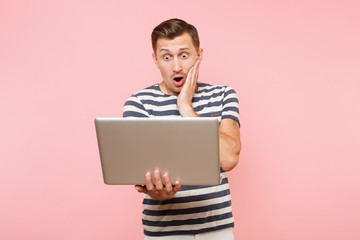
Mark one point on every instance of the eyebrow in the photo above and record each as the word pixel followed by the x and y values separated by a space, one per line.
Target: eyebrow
pixel 180 49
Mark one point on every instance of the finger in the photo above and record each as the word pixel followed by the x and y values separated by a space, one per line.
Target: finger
pixel 168 184
pixel 197 69
pixel 199 60
pixel 158 181
pixel 148 182
pixel 197 63
pixel 192 75
pixel 196 74
pixel 140 188
pixel 177 186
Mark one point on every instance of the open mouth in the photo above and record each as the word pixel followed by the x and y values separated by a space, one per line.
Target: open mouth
pixel 178 79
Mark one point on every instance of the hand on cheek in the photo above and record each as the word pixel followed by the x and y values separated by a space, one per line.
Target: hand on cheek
pixel 186 95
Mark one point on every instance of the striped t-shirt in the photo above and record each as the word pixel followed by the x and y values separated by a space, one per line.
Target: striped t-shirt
pixel 193 209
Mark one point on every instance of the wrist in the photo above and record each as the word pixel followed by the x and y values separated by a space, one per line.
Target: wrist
pixel 187 111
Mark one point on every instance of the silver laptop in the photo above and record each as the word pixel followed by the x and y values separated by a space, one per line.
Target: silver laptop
pixel 186 148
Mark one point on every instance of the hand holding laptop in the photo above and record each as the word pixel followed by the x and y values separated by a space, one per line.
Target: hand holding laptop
pixel 159 190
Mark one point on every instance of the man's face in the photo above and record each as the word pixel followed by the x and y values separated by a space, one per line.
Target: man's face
pixel 174 58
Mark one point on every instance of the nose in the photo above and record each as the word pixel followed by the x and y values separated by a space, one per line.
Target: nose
pixel 177 65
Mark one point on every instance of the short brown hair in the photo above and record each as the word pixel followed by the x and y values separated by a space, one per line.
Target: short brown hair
pixel 173 28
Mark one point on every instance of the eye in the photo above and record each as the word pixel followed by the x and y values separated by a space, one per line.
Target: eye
pixel 166 57
pixel 184 55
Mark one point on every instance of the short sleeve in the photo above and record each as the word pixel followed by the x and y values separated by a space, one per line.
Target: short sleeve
pixel 230 107
pixel 133 107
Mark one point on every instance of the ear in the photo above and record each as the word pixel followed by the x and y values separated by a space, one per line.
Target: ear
pixel 200 53
pixel 155 60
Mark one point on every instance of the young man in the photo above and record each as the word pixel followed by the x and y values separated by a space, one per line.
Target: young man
pixel 175 211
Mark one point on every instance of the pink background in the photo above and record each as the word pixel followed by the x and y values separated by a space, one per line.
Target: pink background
pixel 295 67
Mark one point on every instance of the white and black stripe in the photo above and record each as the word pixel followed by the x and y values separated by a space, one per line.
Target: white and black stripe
pixel 194 209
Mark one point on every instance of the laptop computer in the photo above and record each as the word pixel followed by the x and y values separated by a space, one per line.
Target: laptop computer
pixel 186 148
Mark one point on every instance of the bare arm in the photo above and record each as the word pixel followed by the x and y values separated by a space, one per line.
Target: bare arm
pixel 230 144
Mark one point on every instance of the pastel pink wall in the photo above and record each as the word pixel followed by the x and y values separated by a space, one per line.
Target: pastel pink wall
pixel 295 67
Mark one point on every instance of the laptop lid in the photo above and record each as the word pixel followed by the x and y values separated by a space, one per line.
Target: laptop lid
pixel 186 148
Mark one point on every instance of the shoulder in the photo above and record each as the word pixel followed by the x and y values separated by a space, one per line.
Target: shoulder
pixel 134 105
pixel 207 88
pixel 151 90
pixel 145 93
